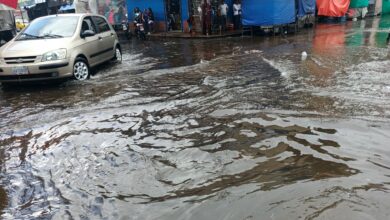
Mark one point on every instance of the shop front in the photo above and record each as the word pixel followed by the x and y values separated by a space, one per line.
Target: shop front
pixel 172 15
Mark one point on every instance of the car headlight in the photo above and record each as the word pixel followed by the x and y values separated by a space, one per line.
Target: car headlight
pixel 54 55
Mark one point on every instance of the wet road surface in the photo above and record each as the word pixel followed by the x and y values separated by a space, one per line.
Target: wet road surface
pixel 238 128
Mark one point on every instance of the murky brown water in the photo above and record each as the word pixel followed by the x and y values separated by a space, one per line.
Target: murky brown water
pixel 220 129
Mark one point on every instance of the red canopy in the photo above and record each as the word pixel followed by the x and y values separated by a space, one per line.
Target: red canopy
pixel 10 3
pixel 333 8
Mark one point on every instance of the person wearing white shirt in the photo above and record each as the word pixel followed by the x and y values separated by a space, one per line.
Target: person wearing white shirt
pixel 223 9
pixel 237 14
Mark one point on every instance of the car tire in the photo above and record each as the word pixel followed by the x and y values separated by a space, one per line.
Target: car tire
pixel 81 69
pixel 118 55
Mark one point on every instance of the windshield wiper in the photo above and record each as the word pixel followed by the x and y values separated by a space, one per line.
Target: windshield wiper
pixel 26 36
pixel 52 36
pixel 29 36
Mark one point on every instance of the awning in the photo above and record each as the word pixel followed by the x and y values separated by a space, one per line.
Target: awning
pixel 10 3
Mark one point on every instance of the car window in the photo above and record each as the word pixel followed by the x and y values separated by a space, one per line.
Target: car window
pixel 50 27
pixel 101 24
pixel 87 24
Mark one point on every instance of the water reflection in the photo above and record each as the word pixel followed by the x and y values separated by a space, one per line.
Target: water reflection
pixel 231 129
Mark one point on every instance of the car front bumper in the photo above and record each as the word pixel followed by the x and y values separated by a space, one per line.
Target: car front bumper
pixel 37 71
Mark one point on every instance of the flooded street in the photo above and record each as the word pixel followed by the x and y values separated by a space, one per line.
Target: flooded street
pixel 235 128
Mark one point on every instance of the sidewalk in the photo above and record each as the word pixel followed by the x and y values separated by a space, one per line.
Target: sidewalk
pixel 194 36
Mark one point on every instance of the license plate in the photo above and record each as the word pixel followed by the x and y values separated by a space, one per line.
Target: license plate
pixel 124 27
pixel 20 70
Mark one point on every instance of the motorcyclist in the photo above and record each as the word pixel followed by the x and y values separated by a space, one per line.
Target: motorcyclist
pixel 139 23
pixel 137 17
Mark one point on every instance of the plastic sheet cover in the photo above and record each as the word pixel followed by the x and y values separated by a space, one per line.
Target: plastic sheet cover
pixel 266 12
pixel 10 3
pixel 359 3
pixel 333 8
pixel 386 7
pixel 306 7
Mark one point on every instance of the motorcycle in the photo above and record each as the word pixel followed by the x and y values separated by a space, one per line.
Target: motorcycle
pixel 125 29
pixel 140 31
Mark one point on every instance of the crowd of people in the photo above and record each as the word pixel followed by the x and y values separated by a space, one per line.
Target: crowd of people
pixel 216 18
pixel 211 18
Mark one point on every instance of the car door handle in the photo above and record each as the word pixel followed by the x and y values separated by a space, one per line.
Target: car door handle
pixel 100 38
pixel 112 34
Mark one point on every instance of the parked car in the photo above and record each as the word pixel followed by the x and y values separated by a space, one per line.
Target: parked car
pixel 59 46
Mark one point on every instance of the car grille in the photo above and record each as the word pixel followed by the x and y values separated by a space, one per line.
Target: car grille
pixel 17 60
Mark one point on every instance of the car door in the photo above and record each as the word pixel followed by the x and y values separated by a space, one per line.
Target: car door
pixel 106 39
pixel 90 45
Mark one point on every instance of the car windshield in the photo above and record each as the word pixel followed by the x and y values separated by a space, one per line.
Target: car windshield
pixel 50 27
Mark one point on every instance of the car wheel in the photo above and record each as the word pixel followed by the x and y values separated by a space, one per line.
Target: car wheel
pixel 81 69
pixel 118 54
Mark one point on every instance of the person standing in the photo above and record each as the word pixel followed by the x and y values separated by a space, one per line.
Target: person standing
pixel 151 20
pixel 191 22
pixel 145 18
pixel 237 14
pixel 223 9
pixel 206 17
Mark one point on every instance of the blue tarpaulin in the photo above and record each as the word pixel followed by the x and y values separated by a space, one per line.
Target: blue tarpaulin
pixel 306 7
pixel 268 12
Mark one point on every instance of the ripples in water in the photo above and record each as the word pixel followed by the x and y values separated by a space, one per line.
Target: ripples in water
pixel 241 133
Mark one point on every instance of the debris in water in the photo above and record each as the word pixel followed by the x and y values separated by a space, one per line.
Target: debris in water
pixel 304 55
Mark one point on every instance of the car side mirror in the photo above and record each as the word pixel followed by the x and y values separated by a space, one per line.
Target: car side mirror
pixel 87 33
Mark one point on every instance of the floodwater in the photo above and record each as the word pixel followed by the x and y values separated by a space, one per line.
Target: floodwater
pixel 239 128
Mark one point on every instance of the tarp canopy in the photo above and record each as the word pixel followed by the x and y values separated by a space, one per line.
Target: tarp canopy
pixel 386 7
pixel 4 7
pixel 306 7
pixel 266 12
pixel 10 3
pixel 359 3
pixel 332 8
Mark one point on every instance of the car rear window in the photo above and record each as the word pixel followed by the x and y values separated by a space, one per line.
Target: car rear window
pixel 56 26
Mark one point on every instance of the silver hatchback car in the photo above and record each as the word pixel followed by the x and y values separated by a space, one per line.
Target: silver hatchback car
pixel 59 46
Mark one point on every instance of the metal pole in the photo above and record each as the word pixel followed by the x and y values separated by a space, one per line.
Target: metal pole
pixel 166 15
pixel 21 13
